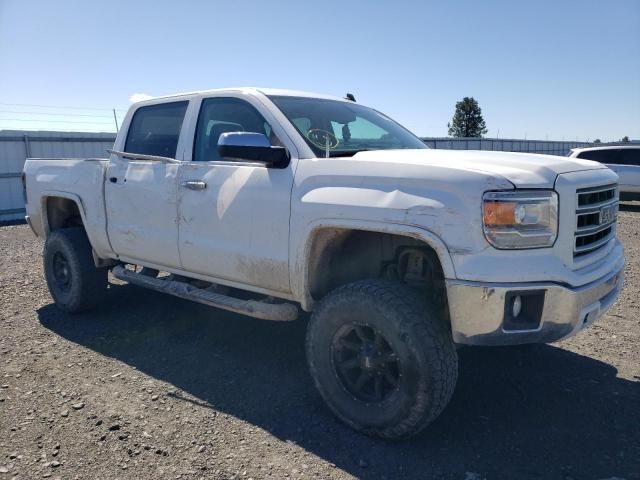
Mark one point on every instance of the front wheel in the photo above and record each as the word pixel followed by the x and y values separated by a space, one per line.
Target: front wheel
pixel 72 277
pixel 382 360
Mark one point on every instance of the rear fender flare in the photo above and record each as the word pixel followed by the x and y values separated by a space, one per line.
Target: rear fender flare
pixel 44 198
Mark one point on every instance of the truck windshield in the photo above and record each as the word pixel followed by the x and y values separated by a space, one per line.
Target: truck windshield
pixel 333 128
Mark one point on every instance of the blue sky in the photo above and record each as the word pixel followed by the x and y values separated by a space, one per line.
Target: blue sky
pixel 544 69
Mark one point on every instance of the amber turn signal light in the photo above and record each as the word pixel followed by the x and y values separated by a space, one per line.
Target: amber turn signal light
pixel 499 213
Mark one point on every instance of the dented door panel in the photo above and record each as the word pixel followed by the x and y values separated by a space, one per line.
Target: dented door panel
pixel 142 212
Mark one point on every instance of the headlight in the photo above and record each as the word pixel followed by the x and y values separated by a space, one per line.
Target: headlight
pixel 520 219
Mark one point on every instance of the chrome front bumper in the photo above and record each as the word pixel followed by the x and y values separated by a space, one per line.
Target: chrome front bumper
pixel 477 310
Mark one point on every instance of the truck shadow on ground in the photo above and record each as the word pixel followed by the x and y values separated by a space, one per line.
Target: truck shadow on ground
pixel 529 412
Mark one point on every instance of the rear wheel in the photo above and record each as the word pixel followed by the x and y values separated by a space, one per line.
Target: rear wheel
pixel 73 280
pixel 380 357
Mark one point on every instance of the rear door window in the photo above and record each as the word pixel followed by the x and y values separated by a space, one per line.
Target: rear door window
pixel 610 156
pixel 155 129
pixel 631 156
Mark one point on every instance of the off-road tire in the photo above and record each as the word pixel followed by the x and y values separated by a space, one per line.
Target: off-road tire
pixel 87 284
pixel 421 340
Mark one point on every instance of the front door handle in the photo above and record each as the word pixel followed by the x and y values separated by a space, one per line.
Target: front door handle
pixel 194 184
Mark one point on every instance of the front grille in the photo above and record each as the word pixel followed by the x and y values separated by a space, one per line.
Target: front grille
pixel 597 196
pixel 596 215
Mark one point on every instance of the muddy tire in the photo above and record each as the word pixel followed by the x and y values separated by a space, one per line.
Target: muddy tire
pixel 74 282
pixel 382 360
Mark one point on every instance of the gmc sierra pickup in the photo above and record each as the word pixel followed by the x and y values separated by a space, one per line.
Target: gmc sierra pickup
pixel 265 202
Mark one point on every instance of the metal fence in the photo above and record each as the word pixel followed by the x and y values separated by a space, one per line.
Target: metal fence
pixel 504 145
pixel 16 146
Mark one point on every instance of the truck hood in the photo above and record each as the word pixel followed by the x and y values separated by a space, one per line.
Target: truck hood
pixel 523 170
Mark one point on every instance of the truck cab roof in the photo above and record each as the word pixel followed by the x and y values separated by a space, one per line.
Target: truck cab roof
pixel 248 90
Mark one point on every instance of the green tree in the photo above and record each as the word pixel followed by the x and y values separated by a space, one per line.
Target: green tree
pixel 467 119
pixel 597 140
pixel 625 139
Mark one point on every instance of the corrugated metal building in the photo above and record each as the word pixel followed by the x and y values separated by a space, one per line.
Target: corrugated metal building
pixel 504 145
pixel 17 145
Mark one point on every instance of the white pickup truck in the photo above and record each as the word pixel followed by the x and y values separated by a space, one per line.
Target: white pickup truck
pixel 265 202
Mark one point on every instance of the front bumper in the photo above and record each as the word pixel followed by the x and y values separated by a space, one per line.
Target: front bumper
pixel 478 310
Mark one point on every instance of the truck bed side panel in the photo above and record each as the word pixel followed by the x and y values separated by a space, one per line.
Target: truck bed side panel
pixel 80 180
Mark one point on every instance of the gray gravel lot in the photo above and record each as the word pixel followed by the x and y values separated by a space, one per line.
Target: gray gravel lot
pixel 150 386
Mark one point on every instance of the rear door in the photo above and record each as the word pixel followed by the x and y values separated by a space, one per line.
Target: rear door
pixel 141 196
pixel 629 171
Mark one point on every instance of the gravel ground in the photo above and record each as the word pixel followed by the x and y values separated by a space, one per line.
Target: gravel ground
pixel 151 386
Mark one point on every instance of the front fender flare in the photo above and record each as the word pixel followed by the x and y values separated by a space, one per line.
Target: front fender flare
pixel 299 273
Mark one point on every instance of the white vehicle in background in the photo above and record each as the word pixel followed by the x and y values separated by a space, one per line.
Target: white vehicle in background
pixel 622 159
pixel 264 202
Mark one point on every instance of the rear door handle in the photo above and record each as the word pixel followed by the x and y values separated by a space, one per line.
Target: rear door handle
pixel 194 184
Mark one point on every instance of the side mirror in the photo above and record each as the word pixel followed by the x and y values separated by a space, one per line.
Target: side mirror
pixel 252 146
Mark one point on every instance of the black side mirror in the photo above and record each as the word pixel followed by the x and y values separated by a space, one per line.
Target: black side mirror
pixel 252 146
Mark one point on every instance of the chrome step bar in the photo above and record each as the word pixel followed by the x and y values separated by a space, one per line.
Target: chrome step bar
pixel 283 312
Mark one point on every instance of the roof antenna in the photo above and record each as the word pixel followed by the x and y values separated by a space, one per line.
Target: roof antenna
pixel 350 97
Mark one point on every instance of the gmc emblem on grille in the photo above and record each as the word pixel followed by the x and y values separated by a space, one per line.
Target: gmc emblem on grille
pixel 608 214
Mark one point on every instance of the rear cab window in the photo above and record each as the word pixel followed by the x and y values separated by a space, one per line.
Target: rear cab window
pixel 155 129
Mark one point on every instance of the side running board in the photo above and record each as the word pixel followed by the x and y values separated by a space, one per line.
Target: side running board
pixel 283 312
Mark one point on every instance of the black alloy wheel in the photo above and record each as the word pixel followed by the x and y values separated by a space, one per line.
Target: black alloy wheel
pixel 365 363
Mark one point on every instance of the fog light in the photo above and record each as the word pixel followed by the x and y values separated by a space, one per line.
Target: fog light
pixel 516 307
pixel 523 310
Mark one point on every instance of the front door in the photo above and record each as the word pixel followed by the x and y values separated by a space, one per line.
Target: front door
pixel 234 216
pixel 141 196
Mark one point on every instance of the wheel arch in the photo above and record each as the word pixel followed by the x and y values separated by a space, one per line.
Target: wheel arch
pixel 64 210
pixel 322 236
pixel 61 210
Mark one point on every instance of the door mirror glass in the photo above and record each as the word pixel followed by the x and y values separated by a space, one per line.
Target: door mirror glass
pixel 252 146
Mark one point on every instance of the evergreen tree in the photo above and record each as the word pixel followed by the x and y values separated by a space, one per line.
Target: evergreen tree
pixel 467 119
